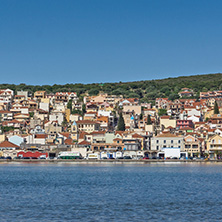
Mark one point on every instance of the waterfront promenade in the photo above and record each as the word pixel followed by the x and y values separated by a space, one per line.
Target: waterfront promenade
pixel 109 161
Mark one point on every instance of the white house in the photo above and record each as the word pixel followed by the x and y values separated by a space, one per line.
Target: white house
pixel 56 116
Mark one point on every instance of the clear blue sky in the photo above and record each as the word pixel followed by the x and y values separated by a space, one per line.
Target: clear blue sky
pixel 68 41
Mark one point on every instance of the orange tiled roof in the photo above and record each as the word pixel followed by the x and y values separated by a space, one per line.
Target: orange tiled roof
pixel 69 141
pixel 86 122
pixel 8 144
pixel 97 132
pixel 136 135
pixel 166 135
pixel 65 134
pixel 84 142
pixel 41 136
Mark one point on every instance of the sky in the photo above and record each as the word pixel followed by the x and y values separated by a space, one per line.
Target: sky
pixel 97 41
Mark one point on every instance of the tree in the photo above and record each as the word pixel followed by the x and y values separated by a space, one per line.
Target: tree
pixel 31 114
pixel 93 92
pixel 133 95
pixel 206 155
pixel 173 96
pixel 149 122
pixel 216 108
pixel 162 112
pixel 155 132
pixel 64 123
pixel 69 105
pixel 7 128
pixel 76 111
pixel 83 108
pixel 121 123
pixel 141 116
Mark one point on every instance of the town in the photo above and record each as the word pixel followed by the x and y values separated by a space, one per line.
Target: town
pixel 65 126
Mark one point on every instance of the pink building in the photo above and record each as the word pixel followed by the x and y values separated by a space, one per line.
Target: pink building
pixel 184 123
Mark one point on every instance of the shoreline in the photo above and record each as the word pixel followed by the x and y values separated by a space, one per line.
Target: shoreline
pixel 107 161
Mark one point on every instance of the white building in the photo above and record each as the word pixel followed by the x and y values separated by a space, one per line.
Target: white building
pixel 6 95
pixel 167 140
pixel 172 153
pixel 56 116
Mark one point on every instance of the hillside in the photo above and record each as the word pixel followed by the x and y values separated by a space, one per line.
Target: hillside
pixel 145 90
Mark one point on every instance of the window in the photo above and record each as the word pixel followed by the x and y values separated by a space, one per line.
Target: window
pixel 178 141
pixel 157 147
pixel 164 141
pixel 157 141
pixel 171 141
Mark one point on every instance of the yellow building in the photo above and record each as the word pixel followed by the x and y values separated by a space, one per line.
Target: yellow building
pixel 40 94
pixel 166 121
pixel 214 146
pixel 2 138
pixel 67 114
pixel 192 145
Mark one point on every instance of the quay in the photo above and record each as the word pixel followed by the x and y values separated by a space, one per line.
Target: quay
pixel 108 161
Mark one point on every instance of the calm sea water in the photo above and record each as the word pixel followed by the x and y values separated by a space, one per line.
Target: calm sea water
pixel 110 192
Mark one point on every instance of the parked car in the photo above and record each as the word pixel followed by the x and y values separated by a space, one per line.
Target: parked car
pixel 34 158
pixel 17 158
pixel 26 158
pixel 146 158
pixel 104 158
pixel 127 157
pixel 120 158
pixel 8 158
pixel 154 158
pixel 140 158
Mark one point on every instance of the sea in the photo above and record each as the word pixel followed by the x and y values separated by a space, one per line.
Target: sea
pixel 110 192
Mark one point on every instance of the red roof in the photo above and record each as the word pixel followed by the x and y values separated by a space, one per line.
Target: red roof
pixel 5 111
pixel 68 142
pixel 136 135
pixel 97 132
pixel 117 139
pixel 8 144
pixel 84 142
pixel 86 122
pixel 41 136
pixel 90 113
pixel 82 134
pixel 65 134
pixel 164 117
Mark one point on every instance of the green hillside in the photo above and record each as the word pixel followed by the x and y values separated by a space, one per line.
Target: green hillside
pixel 146 90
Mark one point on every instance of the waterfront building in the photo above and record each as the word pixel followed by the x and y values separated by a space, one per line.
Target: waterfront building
pixel 214 146
pixel 167 140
